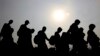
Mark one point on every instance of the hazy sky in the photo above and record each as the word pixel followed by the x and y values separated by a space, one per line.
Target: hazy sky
pixel 38 12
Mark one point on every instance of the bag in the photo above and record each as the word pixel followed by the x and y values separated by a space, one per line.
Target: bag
pixel 36 39
pixel 52 40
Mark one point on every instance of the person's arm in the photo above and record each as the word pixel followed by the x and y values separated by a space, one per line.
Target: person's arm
pixel 2 30
pixel 46 38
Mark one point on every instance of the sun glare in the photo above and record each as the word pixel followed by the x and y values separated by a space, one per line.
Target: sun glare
pixel 59 15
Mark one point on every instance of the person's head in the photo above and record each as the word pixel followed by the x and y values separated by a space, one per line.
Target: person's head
pixel 10 21
pixel 59 29
pixel 26 22
pixel 44 28
pixel 92 26
pixel 77 21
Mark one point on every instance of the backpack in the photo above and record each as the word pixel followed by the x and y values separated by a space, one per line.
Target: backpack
pixel 52 40
pixel 36 39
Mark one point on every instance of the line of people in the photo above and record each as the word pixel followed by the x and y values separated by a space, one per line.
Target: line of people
pixel 74 36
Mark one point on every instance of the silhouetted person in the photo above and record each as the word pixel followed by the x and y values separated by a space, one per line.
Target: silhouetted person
pixel 22 34
pixel 92 38
pixel 73 30
pixel 28 41
pixel 6 33
pixel 57 40
pixel 81 44
pixel 24 41
pixel 28 38
pixel 64 45
pixel 40 39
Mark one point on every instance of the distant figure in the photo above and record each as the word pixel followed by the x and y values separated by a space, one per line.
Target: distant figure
pixel 23 34
pixel 40 39
pixel 92 38
pixel 6 33
pixel 81 44
pixel 29 38
pixel 56 40
pixel 72 31
pixel 64 49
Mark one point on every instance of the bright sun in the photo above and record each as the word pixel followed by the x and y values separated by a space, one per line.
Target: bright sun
pixel 59 15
